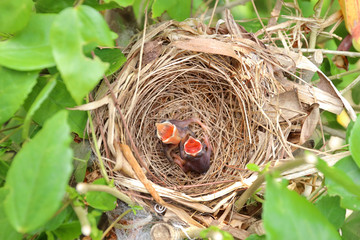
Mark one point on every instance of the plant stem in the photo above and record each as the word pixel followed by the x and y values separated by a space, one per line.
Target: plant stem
pixel 261 178
pixel 340 75
pixel 114 222
pixel 351 85
pixel 83 188
pixel 98 154
pixel 314 193
pixel 335 52
pixel 81 213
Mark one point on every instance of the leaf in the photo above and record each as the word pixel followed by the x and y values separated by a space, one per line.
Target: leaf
pixel 30 49
pixel 94 217
pixel 113 56
pixel 6 230
pixel 351 12
pixel 58 99
pixel 82 152
pixel 56 221
pixel 256 237
pixel 51 6
pixel 351 229
pixel 289 216
pixel 355 94
pixel 38 176
pixel 310 124
pixel 14 88
pixel 101 200
pixel 349 170
pixel 122 3
pixel 224 235
pixel 4 167
pixel 355 142
pixel 40 98
pixel 73 29
pixel 330 208
pixel 253 167
pixel 69 230
pixel 177 9
pixel 14 15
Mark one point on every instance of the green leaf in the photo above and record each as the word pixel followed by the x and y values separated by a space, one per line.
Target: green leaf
pixel 4 167
pixel 14 88
pixel 6 230
pixel 289 216
pixel 355 142
pixel 122 3
pixel 82 152
pixel 349 130
pixel 30 49
pixel 101 200
pixel 40 98
pixel 256 237
pixel 253 167
pixel 177 9
pixel 94 217
pixel 355 94
pixel 101 6
pixel 57 220
pixel 348 170
pixel 51 6
pixel 73 29
pixel 14 15
pixel 351 229
pixel 38 176
pixel 69 230
pixel 113 56
pixel 225 235
pixel 58 99
pixel 330 208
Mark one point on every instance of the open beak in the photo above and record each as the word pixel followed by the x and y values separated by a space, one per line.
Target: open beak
pixel 192 146
pixel 168 133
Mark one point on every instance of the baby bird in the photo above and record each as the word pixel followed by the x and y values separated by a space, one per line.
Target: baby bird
pixel 171 132
pixel 194 155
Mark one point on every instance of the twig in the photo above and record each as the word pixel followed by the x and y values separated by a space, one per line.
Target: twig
pixel 340 75
pixel 114 222
pixel 136 151
pixel 335 52
pixel 334 132
pixel 98 154
pixel 212 15
pixel 314 32
pixel 83 188
pixel 351 85
pixel 261 178
pixel 228 5
pixel 101 131
pixel 314 193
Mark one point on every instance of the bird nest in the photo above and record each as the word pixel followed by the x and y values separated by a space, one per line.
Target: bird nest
pixel 250 96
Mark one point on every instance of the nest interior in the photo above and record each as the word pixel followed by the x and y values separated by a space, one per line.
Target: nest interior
pixel 177 71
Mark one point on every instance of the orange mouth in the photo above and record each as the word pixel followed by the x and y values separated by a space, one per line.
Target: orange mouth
pixel 168 133
pixel 192 146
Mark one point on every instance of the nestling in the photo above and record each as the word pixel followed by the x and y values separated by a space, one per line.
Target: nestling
pixel 171 132
pixel 194 155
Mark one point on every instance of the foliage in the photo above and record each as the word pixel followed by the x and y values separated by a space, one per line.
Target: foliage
pixel 53 53
pixel 213 232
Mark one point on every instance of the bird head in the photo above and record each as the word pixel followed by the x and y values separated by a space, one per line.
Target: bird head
pixel 193 147
pixel 168 133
